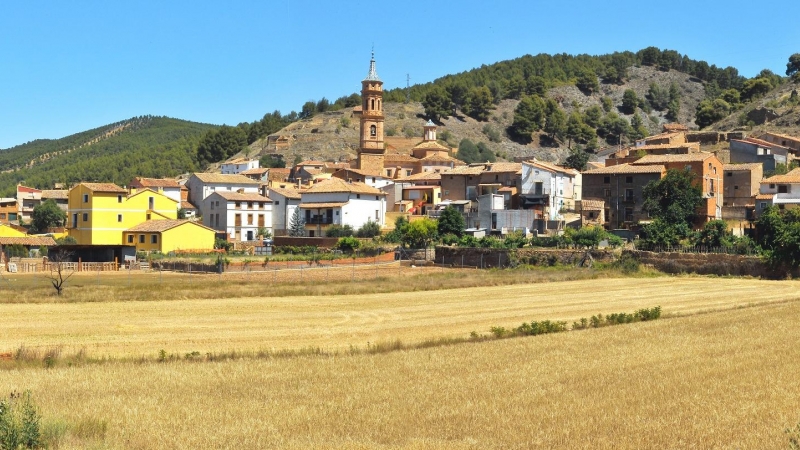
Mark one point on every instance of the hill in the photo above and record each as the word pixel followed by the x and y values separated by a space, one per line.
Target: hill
pixel 142 146
pixel 334 135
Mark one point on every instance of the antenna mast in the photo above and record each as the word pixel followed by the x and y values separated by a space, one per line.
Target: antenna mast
pixel 408 88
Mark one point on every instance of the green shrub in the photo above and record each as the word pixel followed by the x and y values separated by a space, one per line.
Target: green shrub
pixel 337 231
pixel 468 241
pixel 19 422
pixel 450 239
pixel 222 244
pixel 348 244
pixel 369 229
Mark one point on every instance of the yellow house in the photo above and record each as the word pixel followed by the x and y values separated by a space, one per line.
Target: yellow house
pixel 99 213
pixel 170 235
pixel 10 232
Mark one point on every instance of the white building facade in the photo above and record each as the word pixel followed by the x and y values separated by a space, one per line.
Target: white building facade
pixel 239 215
pixel 338 202
pixel 554 187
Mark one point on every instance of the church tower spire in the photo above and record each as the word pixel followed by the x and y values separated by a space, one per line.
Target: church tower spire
pixel 371 148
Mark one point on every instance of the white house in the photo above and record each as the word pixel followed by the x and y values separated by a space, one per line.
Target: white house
pixel 782 191
pixel 549 187
pixel 238 165
pixel 240 215
pixel 201 185
pixel 336 201
pixel 284 203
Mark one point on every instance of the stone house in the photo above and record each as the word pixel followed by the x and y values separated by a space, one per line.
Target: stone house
pixel 620 188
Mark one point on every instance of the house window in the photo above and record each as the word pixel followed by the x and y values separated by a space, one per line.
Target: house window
pixel 119 198
pixel 212 206
pixel 277 202
pixel 358 195
pixel 373 130
pixel 377 197
pixel 249 219
pixel 628 214
pixel 85 198
pixel 772 186
pixel 141 239
pixel 607 193
pixel 763 205
pixel 388 172
pixel 151 203
pixel 237 205
pixel 154 239
pixel 149 216
pixel 606 180
pixel 249 205
pixel 119 217
pixel 688 167
pixel 85 217
pixel 628 195
pixel 730 174
pixel 783 189
pixel 629 180
pixel 735 188
pixel 373 179
pixel 591 214
pixel 130 239
pixel 408 174
pixel 377 215
pixel 75 220
pixel 2 215
pixel 711 186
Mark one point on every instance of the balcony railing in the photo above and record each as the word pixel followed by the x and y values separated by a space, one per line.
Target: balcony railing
pixel 317 220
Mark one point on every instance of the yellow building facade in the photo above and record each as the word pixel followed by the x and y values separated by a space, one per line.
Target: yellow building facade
pixel 99 213
pixel 8 231
pixel 169 235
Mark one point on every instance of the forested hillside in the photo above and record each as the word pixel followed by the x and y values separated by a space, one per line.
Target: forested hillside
pixel 143 146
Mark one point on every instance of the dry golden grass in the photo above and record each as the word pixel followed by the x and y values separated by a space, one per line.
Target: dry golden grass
pixel 720 380
pixel 337 322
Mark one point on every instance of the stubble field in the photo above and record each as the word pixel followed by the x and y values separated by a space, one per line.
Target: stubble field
pixel 718 372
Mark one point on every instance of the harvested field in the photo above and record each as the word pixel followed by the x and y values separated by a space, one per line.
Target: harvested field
pixel 724 380
pixel 337 322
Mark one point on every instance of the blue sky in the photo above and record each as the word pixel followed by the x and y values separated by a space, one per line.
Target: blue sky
pixel 66 67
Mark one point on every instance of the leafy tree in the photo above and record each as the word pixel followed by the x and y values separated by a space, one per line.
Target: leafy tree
pixel 779 234
pixel 709 111
pixel 537 86
pixel 308 110
pixel 673 199
pixel 66 240
pixel 617 68
pixel 793 66
pixel 322 105
pixel 589 237
pixel 714 234
pixel 297 225
pixel 222 143
pixel 369 229
pixel 47 215
pixel 555 121
pixel 437 104
pixel 419 233
pixel 593 115
pixel 637 129
pixel 451 222
pixel 348 244
pixel 485 154
pixel 661 233
pixel 755 88
pixel 657 97
pixel 577 159
pixel 587 81
pixel 517 87
pixel 272 161
pixel 630 101
pixel 607 103
pixel 458 93
pixel 528 117
pixel 468 152
pixel 480 104
pixel 574 128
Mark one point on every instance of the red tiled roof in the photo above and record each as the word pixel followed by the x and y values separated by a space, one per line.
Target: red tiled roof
pixel 155 182
pixel 626 168
pixel 286 192
pixel 30 241
pixel 242 197
pixel 334 185
pixel 104 187
pixel 792 177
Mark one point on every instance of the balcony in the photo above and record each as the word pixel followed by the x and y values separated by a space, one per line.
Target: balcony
pixel 319 220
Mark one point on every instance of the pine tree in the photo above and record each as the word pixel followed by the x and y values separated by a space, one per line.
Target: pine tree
pixel 297 226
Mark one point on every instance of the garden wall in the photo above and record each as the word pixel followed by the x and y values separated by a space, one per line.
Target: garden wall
pixel 708 264
pixel 493 257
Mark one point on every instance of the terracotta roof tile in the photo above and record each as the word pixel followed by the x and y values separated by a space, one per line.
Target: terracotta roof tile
pixel 242 197
pixel 551 167
pixel 792 177
pixel 29 241
pixel 155 182
pixel 663 159
pixel 224 178
pixel 757 141
pixel 334 185
pixel 504 167
pixel 626 168
pixel 256 171
pixel 104 187
pixel 288 193
pixel 421 176
pixel 55 194
pixel 322 205
pixel 278 174
pixel 464 170
pixel 744 166
pixel 158 226
pixel 765 196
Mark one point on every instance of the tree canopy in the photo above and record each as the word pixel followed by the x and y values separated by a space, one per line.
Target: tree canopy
pixel 451 222
pixel 47 215
pixel 673 199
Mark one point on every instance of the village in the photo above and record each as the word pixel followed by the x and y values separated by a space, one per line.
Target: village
pixel 252 207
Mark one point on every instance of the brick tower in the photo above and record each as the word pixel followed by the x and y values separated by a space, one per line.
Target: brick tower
pixel 371 150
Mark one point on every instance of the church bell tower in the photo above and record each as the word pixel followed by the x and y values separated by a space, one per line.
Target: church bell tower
pixel 371 149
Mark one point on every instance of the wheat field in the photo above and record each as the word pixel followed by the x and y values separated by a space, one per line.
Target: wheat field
pixel 337 322
pixel 719 370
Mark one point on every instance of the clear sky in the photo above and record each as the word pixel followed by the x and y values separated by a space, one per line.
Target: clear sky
pixel 67 67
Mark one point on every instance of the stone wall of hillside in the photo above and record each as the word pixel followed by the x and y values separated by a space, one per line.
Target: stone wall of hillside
pixel 500 258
